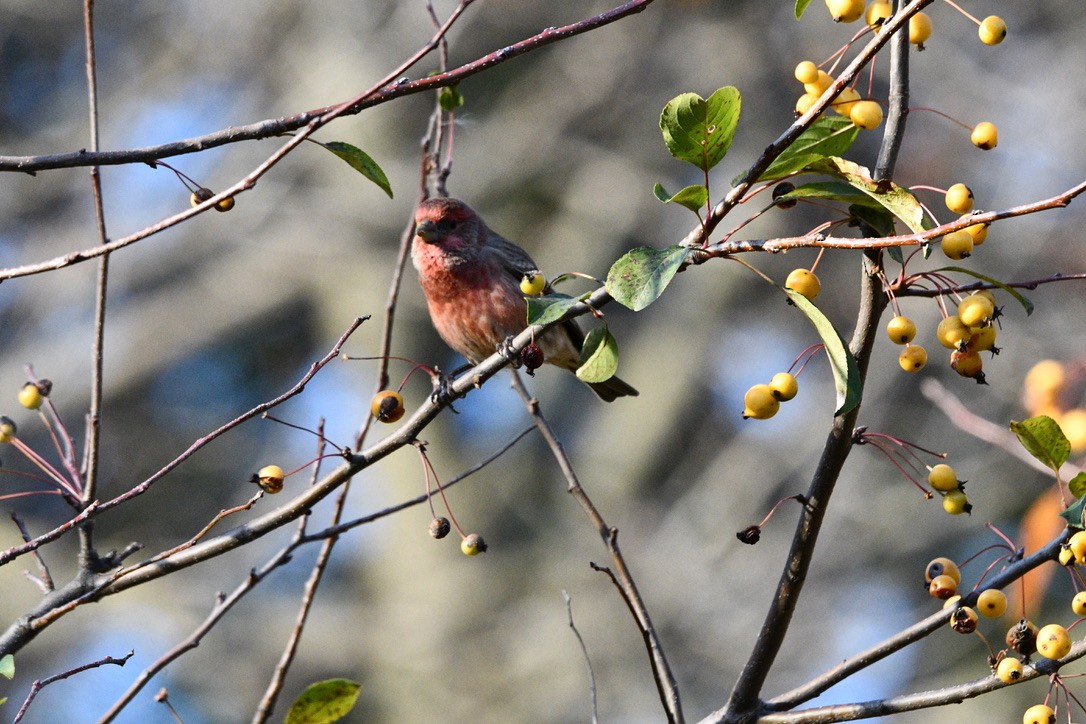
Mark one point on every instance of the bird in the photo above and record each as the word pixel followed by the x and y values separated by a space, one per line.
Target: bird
pixel 470 276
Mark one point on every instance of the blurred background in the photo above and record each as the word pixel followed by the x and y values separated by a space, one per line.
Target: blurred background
pixel 558 150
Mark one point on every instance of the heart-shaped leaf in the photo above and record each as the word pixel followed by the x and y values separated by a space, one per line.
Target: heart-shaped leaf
pixel 700 130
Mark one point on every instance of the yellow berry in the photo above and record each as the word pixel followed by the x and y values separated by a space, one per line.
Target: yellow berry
pixel 1077 544
pixel 760 403
pixel 270 478
pixel 976 311
pixel 959 199
pixel 805 101
pixel 967 363
pixel 200 195
pixel 532 284
pixel 387 406
pixel 1039 714
pixel 1073 424
pixel 983 339
pixel 985 136
pixel 992 30
pixel 7 429
pixel 943 478
pixel 992 603
pixel 1067 556
pixel 866 115
pixel 951 333
pixel 807 72
pixel 979 232
pixel 225 204
pixel 473 545
pixel 913 358
pixel 1053 641
pixel 1078 603
pixel 877 13
pixel 901 330
pixel 919 29
pixel 942 567
pixel 784 386
pixel 1009 670
pixel 819 86
pixel 845 101
pixel 957 245
pixel 955 502
pixel 30 396
pixel 942 587
pixel 1046 378
pixel 805 282
pixel 845 11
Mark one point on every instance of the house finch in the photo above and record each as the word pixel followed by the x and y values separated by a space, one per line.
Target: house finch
pixel 471 276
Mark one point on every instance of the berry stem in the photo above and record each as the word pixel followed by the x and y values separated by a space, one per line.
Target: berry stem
pixel 961 10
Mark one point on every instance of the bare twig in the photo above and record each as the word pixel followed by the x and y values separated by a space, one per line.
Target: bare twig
pixel 40 684
pixel 623 579
pixel 278 126
pixel 275 685
pixel 45 579
pixel 584 652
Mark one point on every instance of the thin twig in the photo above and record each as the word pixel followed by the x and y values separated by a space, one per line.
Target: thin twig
pixel 275 685
pixel 584 652
pixel 43 570
pixel 278 126
pixel 661 670
pixel 40 684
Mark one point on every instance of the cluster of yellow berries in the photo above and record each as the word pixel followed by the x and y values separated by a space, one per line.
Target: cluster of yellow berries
pixel 967 334
pixel 866 114
pixel 992 30
pixel 763 401
pixel 959 244
pixel 944 480
pixel 1044 385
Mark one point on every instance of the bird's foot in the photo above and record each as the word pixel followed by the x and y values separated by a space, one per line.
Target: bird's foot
pixel 508 352
pixel 443 393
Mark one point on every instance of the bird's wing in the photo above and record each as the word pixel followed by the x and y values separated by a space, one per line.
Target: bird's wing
pixel 513 259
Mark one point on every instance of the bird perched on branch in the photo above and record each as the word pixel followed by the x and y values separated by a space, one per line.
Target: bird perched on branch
pixel 471 278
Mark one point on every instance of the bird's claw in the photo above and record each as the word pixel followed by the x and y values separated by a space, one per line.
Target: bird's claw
pixel 443 393
pixel 508 352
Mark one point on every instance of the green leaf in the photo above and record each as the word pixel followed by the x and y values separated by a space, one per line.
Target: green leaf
pixel 700 130
pixel 1043 439
pixel 801 5
pixel 324 702
pixel 846 373
pixel 1077 485
pixel 1075 513
pixel 7 666
pixel 898 201
pixel 450 98
pixel 1023 300
pixel 549 308
pixel 692 197
pixel 831 191
pixel 599 356
pixel 360 161
pixel 638 278
pixel 828 136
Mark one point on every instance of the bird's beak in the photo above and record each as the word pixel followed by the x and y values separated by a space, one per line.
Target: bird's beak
pixel 427 231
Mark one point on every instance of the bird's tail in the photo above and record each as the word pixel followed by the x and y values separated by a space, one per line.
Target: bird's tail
pixel 611 389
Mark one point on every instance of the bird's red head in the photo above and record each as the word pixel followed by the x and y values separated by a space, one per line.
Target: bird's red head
pixel 446 222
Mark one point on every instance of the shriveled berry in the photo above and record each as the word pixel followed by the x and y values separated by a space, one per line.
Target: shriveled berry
pixel 439 527
pixel 942 587
pixel 783 189
pixel 1022 637
pixel 532 357
pixel 964 620
pixel 750 535
pixel 200 195
pixel 968 363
